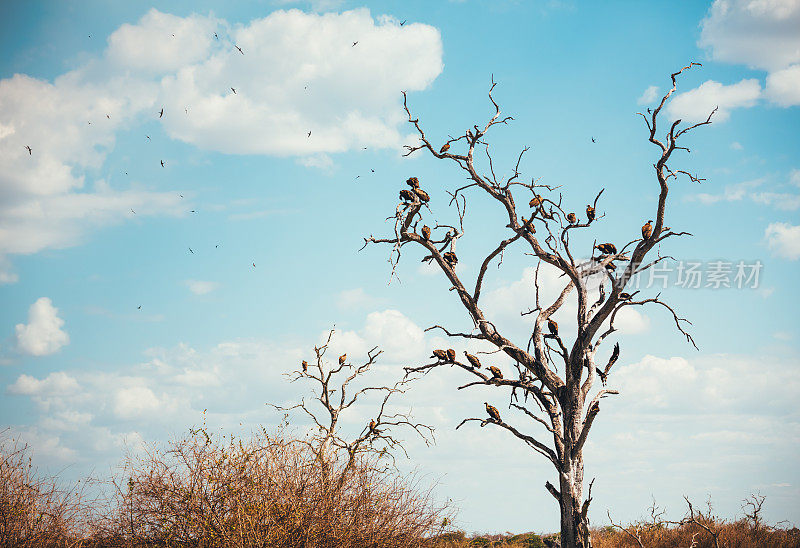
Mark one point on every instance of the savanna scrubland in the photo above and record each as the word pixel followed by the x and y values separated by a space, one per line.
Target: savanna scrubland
pixel 269 490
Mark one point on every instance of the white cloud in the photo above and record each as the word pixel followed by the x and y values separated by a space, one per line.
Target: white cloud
pixel 784 201
pixel 731 193
pixel 161 42
pixel 758 33
pixel 57 383
pixel 648 96
pixel 630 321
pixel 134 401
pixel 761 34
pixel 780 200
pixel 784 240
pixel 399 337
pixel 299 73
pixel 736 145
pixel 199 287
pixel 783 86
pixel 695 105
pixel 43 334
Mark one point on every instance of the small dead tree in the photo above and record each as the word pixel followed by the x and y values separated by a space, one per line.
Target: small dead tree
pixel 561 402
pixel 335 392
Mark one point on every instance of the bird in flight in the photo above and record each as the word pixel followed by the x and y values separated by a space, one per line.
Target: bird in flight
pixel 254 265
pixel 354 44
pixel 404 22
pixel 234 91
pixel 593 140
pixel 193 211
pixel 240 49
pixel 148 138
pixel 309 134
pixel 181 195
pixel 132 211
pixel 30 152
pixel 160 114
pixel 140 307
pixel 162 163
pixel 107 116
pixel 190 251
pixel 215 36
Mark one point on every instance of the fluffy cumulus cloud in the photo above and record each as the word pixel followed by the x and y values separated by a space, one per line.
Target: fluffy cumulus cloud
pixel 299 73
pixel 43 334
pixel 783 86
pixel 57 383
pixel 761 34
pixel 695 105
pixel 784 240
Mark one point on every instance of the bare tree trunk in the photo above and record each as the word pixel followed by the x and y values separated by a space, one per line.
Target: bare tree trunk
pixel 574 523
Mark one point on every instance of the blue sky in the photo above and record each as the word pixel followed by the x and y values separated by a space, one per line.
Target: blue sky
pixel 93 227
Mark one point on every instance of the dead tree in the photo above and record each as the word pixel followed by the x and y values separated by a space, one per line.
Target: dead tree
pixel 561 402
pixel 332 397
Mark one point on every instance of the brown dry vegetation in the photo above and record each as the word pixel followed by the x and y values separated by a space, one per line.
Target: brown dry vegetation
pixel 206 491
pixel 35 511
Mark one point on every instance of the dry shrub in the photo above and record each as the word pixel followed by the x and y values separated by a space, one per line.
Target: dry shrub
pixel 697 530
pixel 36 511
pixel 207 491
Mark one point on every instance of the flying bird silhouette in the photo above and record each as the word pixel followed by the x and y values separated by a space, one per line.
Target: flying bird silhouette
pixel 132 211
pixel 148 138
pixel 234 91
pixel 30 152
pixel 593 140
pixel 215 36
pixel 309 134
pixel 354 44
pixel 190 251
pixel 160 114
pixel 404 22
pixel 140 307
pixel 162 163
pixel 107 116
pixel 240 49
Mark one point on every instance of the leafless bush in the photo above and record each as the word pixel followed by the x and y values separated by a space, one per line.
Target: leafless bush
pixel 35 510
pixel 211 491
